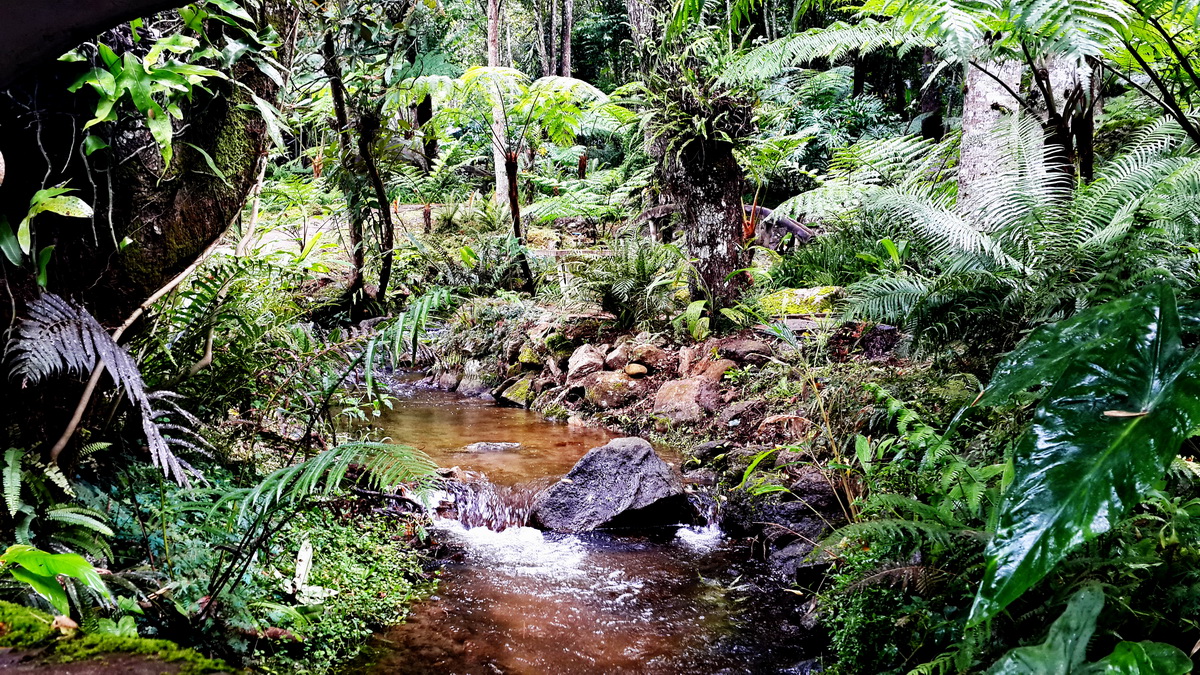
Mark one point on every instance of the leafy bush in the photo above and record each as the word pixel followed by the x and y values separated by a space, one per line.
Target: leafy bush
pixel 636 283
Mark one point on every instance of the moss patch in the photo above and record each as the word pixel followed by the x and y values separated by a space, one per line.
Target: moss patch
pixel 801 300
pixel 95 647
pixel 24 627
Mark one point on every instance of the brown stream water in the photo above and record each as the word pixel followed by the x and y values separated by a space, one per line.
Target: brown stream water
pixel 526 602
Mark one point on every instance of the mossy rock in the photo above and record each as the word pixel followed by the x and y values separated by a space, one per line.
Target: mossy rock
pixel 96 647
pixel 519 392
pixel 528 356
pixel 801 300
pixel 24 627
pixel 556 342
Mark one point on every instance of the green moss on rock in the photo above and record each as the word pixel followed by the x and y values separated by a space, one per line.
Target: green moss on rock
pixel 519 392
pixel 24 627
pixel 528 356
pixel 97 647
pixel 801 300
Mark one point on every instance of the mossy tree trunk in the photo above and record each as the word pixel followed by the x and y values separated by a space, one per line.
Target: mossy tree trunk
pixel 152 221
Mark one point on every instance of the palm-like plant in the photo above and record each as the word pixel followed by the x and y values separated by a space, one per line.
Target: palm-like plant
pixel 1033 248
pixel 635 283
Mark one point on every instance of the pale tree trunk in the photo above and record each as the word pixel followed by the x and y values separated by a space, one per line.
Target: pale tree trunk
pixel 568 21
pixel 539 21
pixel 641 19
pixel 551 34
pixel 986 99
pixel 499 128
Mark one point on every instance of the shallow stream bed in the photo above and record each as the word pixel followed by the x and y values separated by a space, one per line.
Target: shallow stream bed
pixel 526 602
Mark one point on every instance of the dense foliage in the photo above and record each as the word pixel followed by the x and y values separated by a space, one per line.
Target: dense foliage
pixel 1011 184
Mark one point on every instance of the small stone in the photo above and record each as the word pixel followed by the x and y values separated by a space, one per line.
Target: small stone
pixel 486 446
pixel 636 370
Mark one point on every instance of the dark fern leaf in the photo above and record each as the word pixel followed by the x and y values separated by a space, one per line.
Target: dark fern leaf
pixel 58 337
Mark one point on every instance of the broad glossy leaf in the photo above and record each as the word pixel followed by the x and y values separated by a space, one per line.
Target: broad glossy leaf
pixel 45 586
pixel 1141 658
pixel 1065 648
pixel 9 244
pixel 1105 431
pixel 1066 644
pixel 53 564
pixel 1041 358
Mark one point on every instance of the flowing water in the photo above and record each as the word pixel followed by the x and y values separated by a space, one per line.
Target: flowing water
pixel 522 601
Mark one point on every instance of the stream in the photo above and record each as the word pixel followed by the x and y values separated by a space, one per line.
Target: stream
pixel 522 601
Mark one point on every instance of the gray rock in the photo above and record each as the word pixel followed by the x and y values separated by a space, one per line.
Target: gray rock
pixel 745 351
pixel 613 389
pixel 487 446
pixel 584 361
pixel 621 484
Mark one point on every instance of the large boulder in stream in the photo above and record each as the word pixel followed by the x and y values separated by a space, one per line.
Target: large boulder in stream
pixel 624 484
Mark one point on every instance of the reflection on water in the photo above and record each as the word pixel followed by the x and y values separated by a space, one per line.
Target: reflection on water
pixel 526 602
pixel 443 424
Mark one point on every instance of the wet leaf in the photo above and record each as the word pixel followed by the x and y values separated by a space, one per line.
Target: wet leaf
pixel 1066 644
pixel 1065 648
pixel 1078 470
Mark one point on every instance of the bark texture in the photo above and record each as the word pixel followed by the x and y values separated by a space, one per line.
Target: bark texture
pixel 568 23
pixel 985 101
pixel 165 215
pixel 499 128
pixel 706 182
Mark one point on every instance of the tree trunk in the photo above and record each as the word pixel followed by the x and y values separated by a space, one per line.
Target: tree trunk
pixel 499 128
pixel 983 104
pixel 706 183
pixel 333 70
pixel 368 126
pixel 551 36
pixel 641 19
pixel 539 19
pixel 422 115
pixel 932 124
pixel 568 22
pixel 514 205
pixel 168 214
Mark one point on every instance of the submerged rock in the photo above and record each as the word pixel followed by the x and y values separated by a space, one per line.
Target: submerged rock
pixel 621 484
pixel 486 446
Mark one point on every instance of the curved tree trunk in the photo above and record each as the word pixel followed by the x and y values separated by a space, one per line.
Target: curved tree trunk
pixel 151 221
pixel 35 33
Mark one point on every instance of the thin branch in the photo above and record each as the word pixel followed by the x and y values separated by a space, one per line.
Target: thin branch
pixel 1025 104
pixel 94 380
